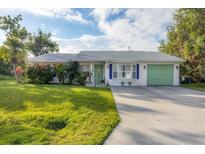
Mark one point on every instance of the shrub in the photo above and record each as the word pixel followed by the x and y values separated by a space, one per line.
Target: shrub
pixel 19 72
pixel 72 69
pixel 5 68
pixel 60 72
pixel 81 77
pixel 40 73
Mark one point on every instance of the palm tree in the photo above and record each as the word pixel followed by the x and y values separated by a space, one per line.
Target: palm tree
pixel 16 48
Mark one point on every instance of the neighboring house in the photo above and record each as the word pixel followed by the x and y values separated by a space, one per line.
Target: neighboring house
pixel 129 68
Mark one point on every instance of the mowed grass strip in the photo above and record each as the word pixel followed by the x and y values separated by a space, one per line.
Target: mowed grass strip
pixel 196 86
pixel 55 114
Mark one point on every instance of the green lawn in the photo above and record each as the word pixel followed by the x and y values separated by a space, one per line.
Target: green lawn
pixel 55 114
pixel 196 86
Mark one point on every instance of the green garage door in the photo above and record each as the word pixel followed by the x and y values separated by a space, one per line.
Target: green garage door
pixel 159 74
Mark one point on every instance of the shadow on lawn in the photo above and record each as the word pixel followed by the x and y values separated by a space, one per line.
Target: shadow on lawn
pixel 17 97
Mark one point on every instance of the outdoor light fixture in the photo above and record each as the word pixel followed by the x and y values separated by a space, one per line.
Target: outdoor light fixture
pixel 144 67
pixel 177 67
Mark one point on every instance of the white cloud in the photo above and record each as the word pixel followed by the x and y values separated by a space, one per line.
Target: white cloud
pixel 137 28
pixel 67 14
pixel 87 42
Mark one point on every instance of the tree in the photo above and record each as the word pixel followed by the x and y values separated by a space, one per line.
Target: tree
pixel 41 43
pixel 17 52
pixel 16 36
pixel 5 66
pixel 186 39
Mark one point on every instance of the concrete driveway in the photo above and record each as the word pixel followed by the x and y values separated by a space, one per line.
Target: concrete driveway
pixel 159 115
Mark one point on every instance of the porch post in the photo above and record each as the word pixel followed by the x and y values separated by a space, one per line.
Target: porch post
pixel 105 72
pixel 92 72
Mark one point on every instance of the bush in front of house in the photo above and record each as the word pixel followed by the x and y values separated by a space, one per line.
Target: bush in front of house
pixel 72 69
pixel 68 71
pixel 40 73
pixel 81 78
pixel 60 72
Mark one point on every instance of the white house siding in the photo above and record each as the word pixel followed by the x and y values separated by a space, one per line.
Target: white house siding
pixel 91 68
pixel 142 81
pixel 176 75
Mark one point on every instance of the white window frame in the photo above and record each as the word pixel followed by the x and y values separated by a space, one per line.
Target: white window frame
pixel 134 71
pixel 130 72
pixel 117 65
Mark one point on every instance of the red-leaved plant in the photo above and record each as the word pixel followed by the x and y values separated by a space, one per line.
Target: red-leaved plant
pixel 19 71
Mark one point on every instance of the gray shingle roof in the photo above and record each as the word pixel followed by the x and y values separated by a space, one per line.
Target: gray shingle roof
pixel 61 57
pixel 138 56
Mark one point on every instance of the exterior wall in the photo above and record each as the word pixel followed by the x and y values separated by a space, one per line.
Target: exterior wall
pixel 142 81
pixel 91 69
pixel 176 75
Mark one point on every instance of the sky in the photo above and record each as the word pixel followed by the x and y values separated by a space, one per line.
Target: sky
pixel 97 29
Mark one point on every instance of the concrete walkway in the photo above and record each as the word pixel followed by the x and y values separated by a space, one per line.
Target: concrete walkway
pixel 159 115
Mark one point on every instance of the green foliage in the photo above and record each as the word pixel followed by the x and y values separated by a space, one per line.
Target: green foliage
pixel 12 27
pixel 186 39
pixel 36 114
pixel 5 77
pixel 16 36
pixel 81 78
pixel 5 65
pixel 61 73
pixel 41 44
pixel 44 73
pixel 40 73
pixel 72 69
pixel 5 68
pixel 5 54
pixel 18 42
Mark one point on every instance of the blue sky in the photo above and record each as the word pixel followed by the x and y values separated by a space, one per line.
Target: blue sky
pixel 97 29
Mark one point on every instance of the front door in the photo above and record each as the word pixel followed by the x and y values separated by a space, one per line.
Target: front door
pixel 98 74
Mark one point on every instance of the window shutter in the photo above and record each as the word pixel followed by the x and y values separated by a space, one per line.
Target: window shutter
pixel 137 71
pixel 110 71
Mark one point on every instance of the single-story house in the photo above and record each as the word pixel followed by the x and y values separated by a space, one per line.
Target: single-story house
pixel 116 68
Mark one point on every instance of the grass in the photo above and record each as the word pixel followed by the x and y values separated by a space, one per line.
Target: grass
pixel 55 114
pixel 5 77
pixel 196 86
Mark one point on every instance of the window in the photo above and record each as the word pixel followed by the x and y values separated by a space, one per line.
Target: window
pixel 84 68
pixel 125 71
pixel 115 71
pixel 134 71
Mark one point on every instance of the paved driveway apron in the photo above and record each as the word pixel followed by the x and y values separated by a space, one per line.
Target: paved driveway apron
pixel 159 115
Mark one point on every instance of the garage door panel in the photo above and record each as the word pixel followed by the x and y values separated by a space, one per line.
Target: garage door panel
pixel 160 74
